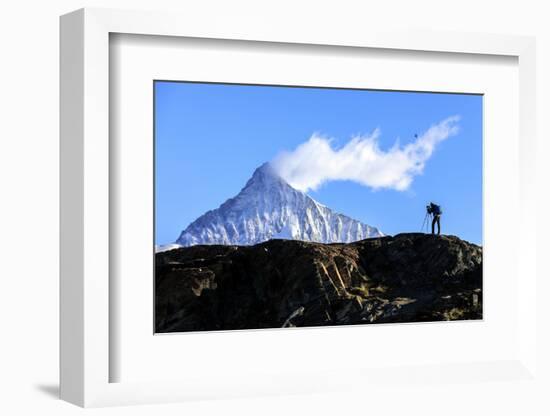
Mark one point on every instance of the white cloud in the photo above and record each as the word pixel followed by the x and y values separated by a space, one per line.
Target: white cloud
pixel 361 160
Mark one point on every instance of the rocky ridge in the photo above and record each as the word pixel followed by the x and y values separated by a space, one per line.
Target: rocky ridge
pixel 288 283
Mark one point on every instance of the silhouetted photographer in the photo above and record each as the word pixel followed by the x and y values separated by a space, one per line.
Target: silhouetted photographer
pixel 435 211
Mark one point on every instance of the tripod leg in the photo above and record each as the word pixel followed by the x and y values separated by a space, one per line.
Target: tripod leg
pixel 424 223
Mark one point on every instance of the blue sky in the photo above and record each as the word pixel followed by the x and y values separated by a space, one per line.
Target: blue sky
pixel 209 138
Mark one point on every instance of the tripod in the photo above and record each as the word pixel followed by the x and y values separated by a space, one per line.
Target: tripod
pixel 426 222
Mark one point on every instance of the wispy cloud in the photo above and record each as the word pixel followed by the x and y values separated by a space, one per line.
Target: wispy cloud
pixel 362 160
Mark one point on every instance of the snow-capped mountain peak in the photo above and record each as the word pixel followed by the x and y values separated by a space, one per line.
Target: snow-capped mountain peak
pixel 268 207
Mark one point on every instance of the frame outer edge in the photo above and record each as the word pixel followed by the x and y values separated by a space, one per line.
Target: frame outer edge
pixel 84 176
pixel 95 196
pixel 527 111
pixel 71 208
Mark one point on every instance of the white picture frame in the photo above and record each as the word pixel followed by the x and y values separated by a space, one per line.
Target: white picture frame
pixel 85 202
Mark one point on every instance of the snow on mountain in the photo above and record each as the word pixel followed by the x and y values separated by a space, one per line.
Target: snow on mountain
pixel 166 247
pixel 267 208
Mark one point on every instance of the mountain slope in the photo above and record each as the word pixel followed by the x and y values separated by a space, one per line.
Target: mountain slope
pixel 268 208
pixel 282 283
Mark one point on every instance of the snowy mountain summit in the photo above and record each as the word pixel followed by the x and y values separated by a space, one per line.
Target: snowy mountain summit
pixel 269 208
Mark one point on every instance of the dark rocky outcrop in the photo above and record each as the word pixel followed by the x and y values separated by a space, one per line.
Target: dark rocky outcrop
pixel 284 283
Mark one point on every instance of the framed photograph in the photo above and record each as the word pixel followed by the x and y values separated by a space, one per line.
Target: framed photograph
pixel 283 194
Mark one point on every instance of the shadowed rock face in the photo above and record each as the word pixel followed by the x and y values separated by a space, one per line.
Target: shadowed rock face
pixel 285 283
